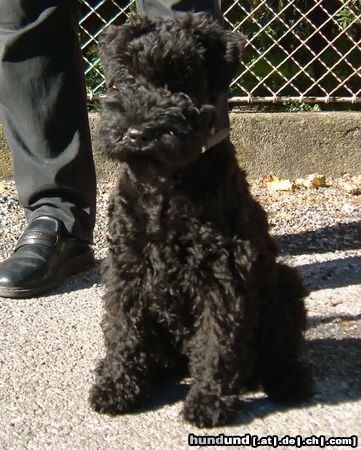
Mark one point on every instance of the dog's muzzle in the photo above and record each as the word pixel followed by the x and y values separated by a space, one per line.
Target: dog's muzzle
pixel 135 136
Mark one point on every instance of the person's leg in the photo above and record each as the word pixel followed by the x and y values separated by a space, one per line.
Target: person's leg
pixel 164 8
pixel 158 8
pixel 43 109
pixel 43 106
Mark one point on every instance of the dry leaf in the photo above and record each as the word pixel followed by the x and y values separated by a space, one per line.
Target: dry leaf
pixel 351 188
pixel 278 184
pixel 300 182
pixel 317 180
pixel 351 184
pixel 272 178
pixel 348 323
pixel 262 180
pixel 312 181
pixel 335 302
pixel 356 179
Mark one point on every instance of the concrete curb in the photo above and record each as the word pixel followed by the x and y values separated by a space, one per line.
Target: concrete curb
pixel 285 144
pixel 296 144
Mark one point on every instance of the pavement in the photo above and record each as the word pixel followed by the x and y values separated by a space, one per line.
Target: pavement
pixel 49 347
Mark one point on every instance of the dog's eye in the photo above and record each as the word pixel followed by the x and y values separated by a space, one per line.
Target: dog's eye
pixel 135 133
pixel 118 138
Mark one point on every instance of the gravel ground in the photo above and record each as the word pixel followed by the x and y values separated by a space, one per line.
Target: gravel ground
pixel 49 345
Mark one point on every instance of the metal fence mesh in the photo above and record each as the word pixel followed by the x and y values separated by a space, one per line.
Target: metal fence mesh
pixel 297 50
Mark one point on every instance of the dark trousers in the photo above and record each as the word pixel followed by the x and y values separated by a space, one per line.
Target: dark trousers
pixel 43 105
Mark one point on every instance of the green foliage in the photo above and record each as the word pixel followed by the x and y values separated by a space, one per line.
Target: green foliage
pixel 272 71
pixel 94 78
pixel 268 30
pixel 347 14
pixel 302 107
pixel 132 10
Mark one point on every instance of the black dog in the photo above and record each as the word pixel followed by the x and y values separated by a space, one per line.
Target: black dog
pixel 191 278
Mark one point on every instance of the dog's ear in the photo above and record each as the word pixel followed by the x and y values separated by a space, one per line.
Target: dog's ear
pixel 105 42
pixel 114 43
pixel 223 51
pixel 234 43
pixel 223 56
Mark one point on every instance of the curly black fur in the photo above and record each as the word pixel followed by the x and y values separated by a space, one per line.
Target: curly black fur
pixel 191 277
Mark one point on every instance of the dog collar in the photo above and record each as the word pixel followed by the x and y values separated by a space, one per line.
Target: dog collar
pixel 215 139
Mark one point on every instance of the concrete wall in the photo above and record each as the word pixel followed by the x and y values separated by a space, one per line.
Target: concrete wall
pixel 296 144
pixel 284 144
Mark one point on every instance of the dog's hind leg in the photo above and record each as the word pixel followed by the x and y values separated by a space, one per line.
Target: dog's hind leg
pixel 284 377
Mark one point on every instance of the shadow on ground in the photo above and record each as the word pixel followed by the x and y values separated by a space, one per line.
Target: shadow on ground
pixel 344 236
pixel 332 274
pixel 336 368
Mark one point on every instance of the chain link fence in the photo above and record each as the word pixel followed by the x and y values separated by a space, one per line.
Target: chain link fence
pixel 297 50
pixel 300 54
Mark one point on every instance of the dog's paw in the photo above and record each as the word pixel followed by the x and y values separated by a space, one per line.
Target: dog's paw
pixel 208 410
pixel 107 398
pixel 289 385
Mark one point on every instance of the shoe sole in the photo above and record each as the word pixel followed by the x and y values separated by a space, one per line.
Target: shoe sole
pixel 78 265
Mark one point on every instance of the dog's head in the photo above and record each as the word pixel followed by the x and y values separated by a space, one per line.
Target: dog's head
pixel 163 76
pixel 139 121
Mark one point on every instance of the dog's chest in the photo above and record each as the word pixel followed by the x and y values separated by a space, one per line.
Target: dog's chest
pixel 164 227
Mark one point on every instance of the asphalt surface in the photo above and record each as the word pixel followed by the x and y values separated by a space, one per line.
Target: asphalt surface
pixel 49 346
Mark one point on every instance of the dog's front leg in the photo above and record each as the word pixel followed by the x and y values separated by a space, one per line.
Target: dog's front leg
pixel 123 376
pixel 215 368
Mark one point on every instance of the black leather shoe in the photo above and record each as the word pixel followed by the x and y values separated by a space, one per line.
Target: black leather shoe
pixel 44 256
